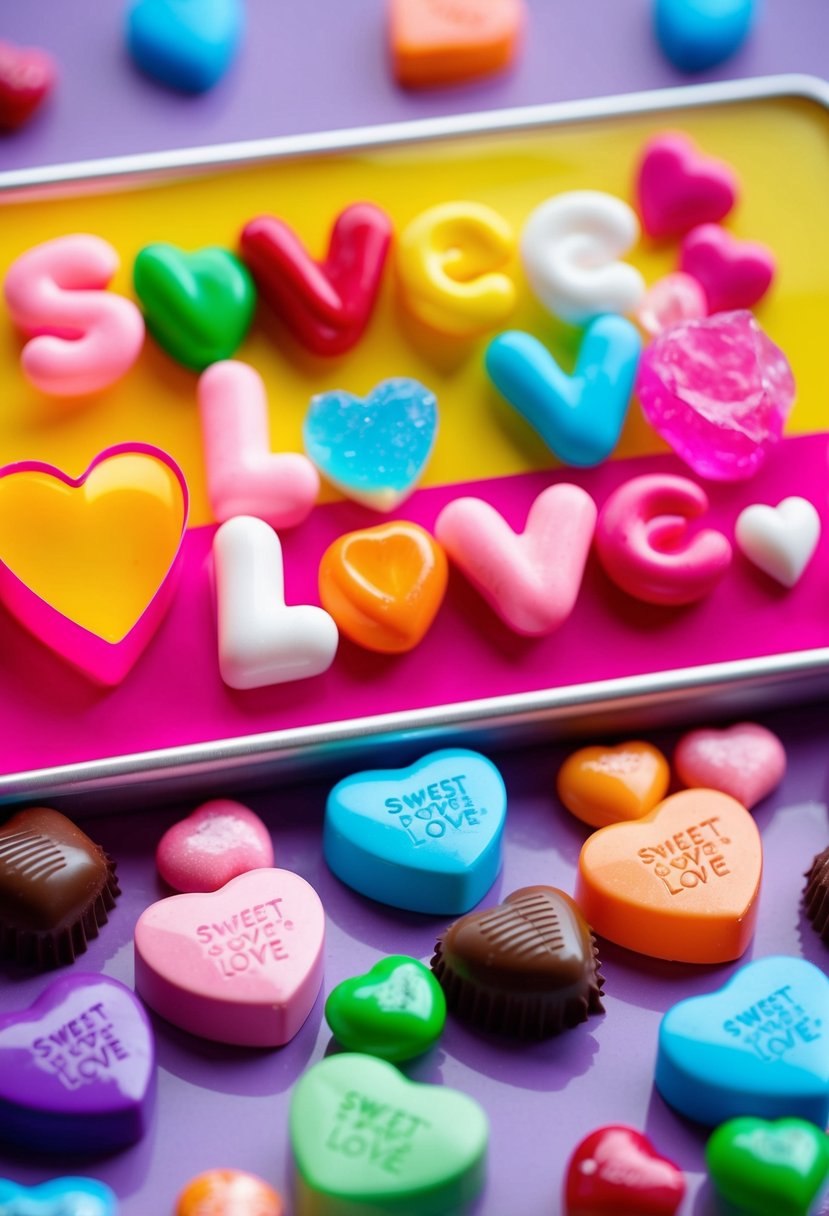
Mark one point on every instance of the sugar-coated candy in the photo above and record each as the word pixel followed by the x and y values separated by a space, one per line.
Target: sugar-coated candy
pixel 57 1198
pixel 734 274
pixel 571 245
pixel 579 417
pixel 240 965
pixel 426 838
pixel 218 841
pixel 433 43
pixel 384 586
pixel 678 187
pixel 616 1170
pixel 367 1140
pixel 604 785
pixel 262 640
pixel 718 391
pixel 768 1168
pixel 816 894
pixel 77 1068
pixel 186 45
pixel 746 761
pixel 681 883
pixel 674 298
pixel 396 1011
pixel 531 578
pixel 698 34
pixel 756 1046
pixel 228 1193
pixel 645 544
pixel 780 540
pixel 27 77
pixel 451 268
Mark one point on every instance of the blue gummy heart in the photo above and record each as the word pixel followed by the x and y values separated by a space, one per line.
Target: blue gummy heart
pixel 759 1046
pixel 62 1197
pixel 187 44
pixel 426 838
pixel 579 417
pixel 373 449
pixel 697 34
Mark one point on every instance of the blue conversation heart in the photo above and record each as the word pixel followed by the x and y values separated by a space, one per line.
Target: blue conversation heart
pixel 426 838
pixel 759 1046
pixel 188 44
pixel 63 1197
pixel 373 449
pixel 579 417
pixel 697 34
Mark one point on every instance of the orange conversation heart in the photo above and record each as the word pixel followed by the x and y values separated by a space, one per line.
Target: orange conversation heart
pixel 602 785
pixel 383 586
pixel 443 41
pixel 228 1193
pixel 680 884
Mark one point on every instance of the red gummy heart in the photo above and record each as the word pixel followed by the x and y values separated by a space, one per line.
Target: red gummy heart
pixel 27 76
pixel 616 1170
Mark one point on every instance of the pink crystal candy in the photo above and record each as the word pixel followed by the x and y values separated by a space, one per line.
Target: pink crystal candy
pixel 674 298
pixel 718 391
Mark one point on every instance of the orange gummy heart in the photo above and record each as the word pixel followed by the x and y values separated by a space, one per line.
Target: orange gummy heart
pixel 228 1193
pixel 679 884
pixel 603 785
pixel 443 41
pixel 383 586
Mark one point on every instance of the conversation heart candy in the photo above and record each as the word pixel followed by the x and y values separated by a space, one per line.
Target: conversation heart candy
pixel 239 965
pixel 579 417
pixel 437 42
pixel 674 298
pixel 187 44
pixel 698 34
pixel 616 1170
pixel 198 306
pixel 426 838
pixel 780 540
pixel 77 1068
pixel 680 883
pixel 603 785
pixel 746 761
pixel 220 840
pixel 757 1046
pixel 678 187
pixel 61 1197
pixel 769 1168
pixel 373 449
pixel 396 1011
pixel 733 274
pixel 27 77
pixel 228 1193
pixel 365 1139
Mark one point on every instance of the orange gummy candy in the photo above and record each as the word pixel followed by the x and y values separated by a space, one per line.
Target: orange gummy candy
pixel 228 1193
pixel 436 42
pixel 603 785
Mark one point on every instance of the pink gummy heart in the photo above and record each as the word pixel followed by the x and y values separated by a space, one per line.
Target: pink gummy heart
pixel 218 842
pixel 679 188
pixel 746 761
pixel 733 274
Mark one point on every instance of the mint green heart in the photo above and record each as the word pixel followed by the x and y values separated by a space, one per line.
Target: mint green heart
pixel 396 1011
pixel 368 1141
pixel 198 306
pixel 769 1168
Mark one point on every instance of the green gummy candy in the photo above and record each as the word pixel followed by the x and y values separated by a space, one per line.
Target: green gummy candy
pixel 769 1168
pixel 396 1011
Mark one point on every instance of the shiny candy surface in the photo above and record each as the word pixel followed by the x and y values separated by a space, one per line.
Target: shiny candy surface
pixel 396 1011
pixel 769 1168
pixel 746 761
pixel 674 298
pixel 186 44
pixel 678 187
pixel 61 1197
pixel 616 1169
pixel 603 785
pixel 217 842
pixel 780 540
pixel 698 34
pixel 438 42
pixel 733 274
pixel 228 1193
pixel 27 77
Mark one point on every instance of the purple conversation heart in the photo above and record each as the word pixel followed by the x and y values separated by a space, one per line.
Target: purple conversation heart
pixel 77 1068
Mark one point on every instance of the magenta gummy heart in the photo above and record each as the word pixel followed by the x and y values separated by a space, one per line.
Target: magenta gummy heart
pixel 77 1068
pixel 718 391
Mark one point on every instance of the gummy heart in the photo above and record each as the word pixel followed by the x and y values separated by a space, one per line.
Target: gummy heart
pixel 780 540
pixel 27 77
pixel 437 42
pixel 61 1197
pixel 427 837
pixel 678 187
pixel 757 1046
pixel 373 449
pixel 188 44
pixel 369 1140
pixel 219 841
pixel 746 761
pixel 733 274
pixel 77 1068
pixel 769 1169
pixel 674 298
pixel 617 1169
pixel 396 1011
pixel 228 1193
pixel 198 306
pixel 698 34
pixel 603 785
pixel 579 417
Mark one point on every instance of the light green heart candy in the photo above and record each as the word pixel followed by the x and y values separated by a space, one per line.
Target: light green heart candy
pixel 396 1011
pixel 198 306
pixel 769 1168
pixel 367 1142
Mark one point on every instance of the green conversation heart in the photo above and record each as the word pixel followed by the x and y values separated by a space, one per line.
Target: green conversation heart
pixel 367 1142
pixel 768 1168
pixel 198 306
pixel 396 1011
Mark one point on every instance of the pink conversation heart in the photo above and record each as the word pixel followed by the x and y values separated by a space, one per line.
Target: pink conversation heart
pixel 531 579
pixel 679 188
pixel 733 274
pixel 241 965
pixel 746 761
pixel 219 841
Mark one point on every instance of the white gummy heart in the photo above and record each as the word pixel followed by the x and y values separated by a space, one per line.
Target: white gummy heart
pixel 779 540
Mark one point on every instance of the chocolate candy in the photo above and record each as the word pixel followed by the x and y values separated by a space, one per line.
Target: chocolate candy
pixel 56 888
pixel 816 895
pixel 528 967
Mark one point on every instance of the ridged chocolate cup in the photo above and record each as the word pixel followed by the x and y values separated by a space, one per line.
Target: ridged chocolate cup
pixel 816 895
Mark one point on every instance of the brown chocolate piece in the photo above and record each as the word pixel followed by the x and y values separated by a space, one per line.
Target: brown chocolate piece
pixel 56 888
pixel 528 967
pixel 816 895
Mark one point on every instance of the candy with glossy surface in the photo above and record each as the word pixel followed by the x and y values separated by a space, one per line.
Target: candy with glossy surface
pixel 746 761
pixel 228 1193
pixel 603 785
pixel 395 1011
pixel 678 187
pixel 27 77
pixel 769 1168
pixel 59 1197
pixel 698 34
pixel 816 894
pixel 676 297
pixel 733 274
pixel 780 540
pixel 435 43
pixel 219 841
pixel 187 44
pixel 617 1170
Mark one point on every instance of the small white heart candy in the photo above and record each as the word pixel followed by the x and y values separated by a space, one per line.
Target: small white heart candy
pixel 261 640
pixel 780 540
